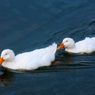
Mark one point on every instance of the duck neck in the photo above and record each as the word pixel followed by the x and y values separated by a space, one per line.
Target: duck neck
pixel 9 63
pixel 71 46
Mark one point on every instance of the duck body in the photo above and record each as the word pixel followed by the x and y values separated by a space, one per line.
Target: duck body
pixel 32 60
pixel 84 46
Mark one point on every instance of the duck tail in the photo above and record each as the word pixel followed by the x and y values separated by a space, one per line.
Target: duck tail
pixel 53 48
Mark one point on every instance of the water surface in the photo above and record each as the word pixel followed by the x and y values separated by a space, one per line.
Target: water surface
pixel 28 25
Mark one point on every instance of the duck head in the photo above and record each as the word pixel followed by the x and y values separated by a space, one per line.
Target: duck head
pixel 7 55
pixel 67 43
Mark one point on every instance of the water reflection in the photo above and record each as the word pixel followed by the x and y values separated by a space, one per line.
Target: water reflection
pixel 69 58
pixel 76 61
pixel 6 78
pixel 66 58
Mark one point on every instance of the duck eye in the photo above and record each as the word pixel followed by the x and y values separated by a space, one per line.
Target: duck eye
pixel 66 40
pixel 5 53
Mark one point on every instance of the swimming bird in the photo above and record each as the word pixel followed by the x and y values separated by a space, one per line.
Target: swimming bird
pixel 28 60
pixel 84 46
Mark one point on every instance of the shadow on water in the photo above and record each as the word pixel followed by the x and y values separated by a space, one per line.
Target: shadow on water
pixel 6 78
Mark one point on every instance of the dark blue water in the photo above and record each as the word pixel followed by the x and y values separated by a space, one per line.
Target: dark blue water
pixel 26 25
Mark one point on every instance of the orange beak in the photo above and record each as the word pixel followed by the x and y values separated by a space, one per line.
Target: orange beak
pixel 1 60
pixel 61 46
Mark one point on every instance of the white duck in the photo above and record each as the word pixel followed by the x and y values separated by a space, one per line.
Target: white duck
pixel 84 46
pixel 28 60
